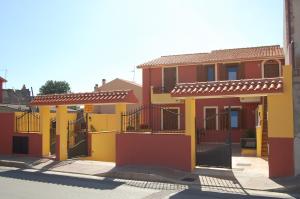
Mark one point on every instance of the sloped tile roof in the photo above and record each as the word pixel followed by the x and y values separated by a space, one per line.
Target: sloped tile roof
pixel 2 79
pixel 229 87
pixel 236 54
pixel 103 97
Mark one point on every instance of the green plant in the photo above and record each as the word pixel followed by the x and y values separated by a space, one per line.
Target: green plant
pixel 129 128
pixel 250 133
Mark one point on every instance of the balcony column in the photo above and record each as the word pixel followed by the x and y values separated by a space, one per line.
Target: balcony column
pixel 190 114
pixel 45 129
pixel 281 129
pixel 119 109
pixel 61 133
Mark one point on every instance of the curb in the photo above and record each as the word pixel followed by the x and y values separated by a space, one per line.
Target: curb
pixel 17 164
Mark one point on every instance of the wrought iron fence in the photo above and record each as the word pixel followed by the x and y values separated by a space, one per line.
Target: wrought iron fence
pixel 154 119
pixel 28 122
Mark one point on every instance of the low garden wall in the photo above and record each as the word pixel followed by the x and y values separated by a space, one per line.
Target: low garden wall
pixel 166 150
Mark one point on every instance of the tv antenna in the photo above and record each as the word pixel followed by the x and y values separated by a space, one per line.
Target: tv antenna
pixel 133 71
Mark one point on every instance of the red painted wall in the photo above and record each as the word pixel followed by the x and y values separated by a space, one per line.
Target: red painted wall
pixel 1 95
pixel 187 74
pixel 281 157
pixel 166 150
pixel 6 132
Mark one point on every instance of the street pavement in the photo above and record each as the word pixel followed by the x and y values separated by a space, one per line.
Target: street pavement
pixel 18 183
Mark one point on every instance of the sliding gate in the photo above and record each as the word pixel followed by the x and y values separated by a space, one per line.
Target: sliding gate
pixel 215 154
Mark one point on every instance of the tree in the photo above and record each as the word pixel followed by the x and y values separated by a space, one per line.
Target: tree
pixel 55 87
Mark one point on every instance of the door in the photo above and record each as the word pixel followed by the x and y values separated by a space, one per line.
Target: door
pixel 170 119
pixel 170 78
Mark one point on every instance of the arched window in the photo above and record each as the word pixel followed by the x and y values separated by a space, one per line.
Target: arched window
pixel 271 68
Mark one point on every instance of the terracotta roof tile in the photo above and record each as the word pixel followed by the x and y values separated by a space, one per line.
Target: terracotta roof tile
pixel 236 54
pixel 103 97
pixel 229 87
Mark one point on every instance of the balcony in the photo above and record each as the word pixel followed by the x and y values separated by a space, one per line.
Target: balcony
pixel 160 95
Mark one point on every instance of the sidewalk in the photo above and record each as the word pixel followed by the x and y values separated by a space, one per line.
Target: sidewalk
pixel 247 173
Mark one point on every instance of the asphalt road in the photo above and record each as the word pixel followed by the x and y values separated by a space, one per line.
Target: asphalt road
pixel 33 184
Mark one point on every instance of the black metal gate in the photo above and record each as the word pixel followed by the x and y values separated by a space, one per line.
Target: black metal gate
pixel 77 137
pixel 154 119
pixel 53 136
pixel 215 154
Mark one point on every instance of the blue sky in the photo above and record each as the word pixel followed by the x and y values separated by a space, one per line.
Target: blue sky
pixel 83 41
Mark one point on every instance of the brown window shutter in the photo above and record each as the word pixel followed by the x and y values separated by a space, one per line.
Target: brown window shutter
pixel 222 72
pixel 240 118
pixel 241 71
pixel 201 73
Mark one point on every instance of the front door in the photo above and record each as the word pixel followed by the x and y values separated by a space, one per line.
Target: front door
pixel 170 119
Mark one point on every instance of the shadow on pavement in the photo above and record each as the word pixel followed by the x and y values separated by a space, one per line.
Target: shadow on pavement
pixel 193 194
pixel 107 184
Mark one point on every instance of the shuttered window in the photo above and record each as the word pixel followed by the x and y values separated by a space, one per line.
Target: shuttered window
pixel 206 73
pixel 170 77
pixel 210 118
pixel 271 70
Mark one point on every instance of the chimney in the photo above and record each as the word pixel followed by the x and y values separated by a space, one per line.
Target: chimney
pixel 103 81
pixel 96 87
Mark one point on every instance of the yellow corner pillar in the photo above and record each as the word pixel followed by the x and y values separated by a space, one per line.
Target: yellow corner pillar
pixel 61 133
pixel 190 113
pixel 45 129
pixel 119 109
pixel 281 129
pixel 280 109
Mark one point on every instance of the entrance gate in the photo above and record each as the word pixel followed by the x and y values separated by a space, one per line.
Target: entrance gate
pixel 77 137
pixel 52 136
pixel 215 154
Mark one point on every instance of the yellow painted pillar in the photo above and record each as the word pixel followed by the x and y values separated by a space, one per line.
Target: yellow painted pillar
pixel 259 131
pixel 281 129
pixel 45 129
pixel 119 109
pixel 190 113
pixel 61 133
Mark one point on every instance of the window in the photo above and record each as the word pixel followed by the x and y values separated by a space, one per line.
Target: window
pixel 234 119
pixel 271 69
pixel 170 119
pixel 232 73
pixel 211 73
pixel 210 115
pixel 170 78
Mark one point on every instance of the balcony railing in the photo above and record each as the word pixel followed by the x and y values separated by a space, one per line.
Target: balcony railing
pixel 161 90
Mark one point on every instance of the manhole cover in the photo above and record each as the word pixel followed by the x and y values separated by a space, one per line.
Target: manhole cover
pixel 188 179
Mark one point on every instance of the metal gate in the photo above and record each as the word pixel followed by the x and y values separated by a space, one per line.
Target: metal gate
pixel 215 154
pixel 77 137
pixel 53 136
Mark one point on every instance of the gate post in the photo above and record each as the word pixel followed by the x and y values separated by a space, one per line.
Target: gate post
pixel 45 129
pixel 190 113
pixel 61 133
pixel 282 160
